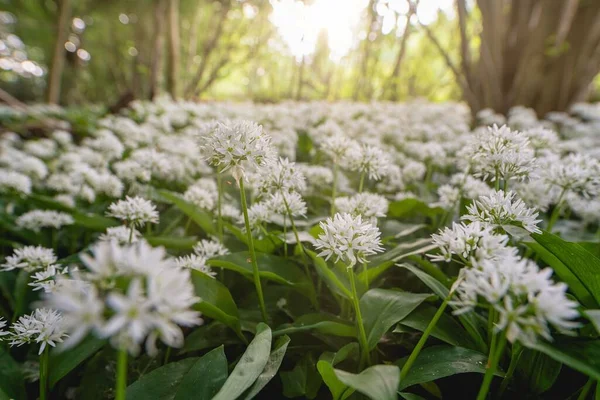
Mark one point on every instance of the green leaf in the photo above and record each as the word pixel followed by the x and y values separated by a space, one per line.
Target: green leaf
pixel 172 242
pixel 200 217
pixel 538 370
pixel 383 308
pixel 594 316
pixel 338 389
pixel 217 302
pixel 250 365
pixel 208 336
pixel 564 273
pixel 332 279
pixel 271 368
pixel 11 378
pixel 379 382
pixel 323 323
pixel 205 377
pixel 412 206
pixel 446 329
pixel 270 267
pixel 581 355
pixel 63 362
pixel 441 361
pixel 303 380
pixel 23 294
pixel 469 320
pixel 162 383
pixel 266 245
pixel 582 264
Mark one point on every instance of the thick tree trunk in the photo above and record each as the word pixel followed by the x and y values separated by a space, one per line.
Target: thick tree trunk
pixel 58 57
pixel 174 49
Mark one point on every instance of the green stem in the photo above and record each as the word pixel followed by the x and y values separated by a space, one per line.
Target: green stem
pixel 556 212
pixel 505 185
pixel 167 355
pixel 121 384
pixel 44 360
pixel 255 272
pixel 359 321
pixel 585 389
pixel 494 358
pixel 187 226
pixel 220 206
pixel 361 183
pixel 131 233
pixel 285 244
pixel 415 353
pixel 431 269
pixel 517 350
pixel 334 189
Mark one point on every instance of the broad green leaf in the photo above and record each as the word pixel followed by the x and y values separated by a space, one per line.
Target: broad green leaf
pixel 173 242
pixel 374 272
pixel 200 217
pixel 23 293
pixel 399 251
pixel 266 245
pixel 410 396
pixel 11 377
pixel 469 321
pixel 594 316
pixel 446 329
pixel 217 302
pixel 162 383
pixel 338 389
pixel 582 264
pixel 412 206
pixel 205 377
pixel 271 368
pixel 579 354
pixel 270 267
pixel 348 351
pixel 538 370
pixel 63 362
pixel 208 336
pixel 564 273
pixel 323 323
pixel 382 308
pixel 249 367
pixel 303 380
pixel 379 382
pixel 331 278
pixel 441 361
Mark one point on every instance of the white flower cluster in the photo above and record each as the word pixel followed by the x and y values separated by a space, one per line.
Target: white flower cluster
pixel 136 211
pixel 368 205
pixel 44 327
pixel 38 219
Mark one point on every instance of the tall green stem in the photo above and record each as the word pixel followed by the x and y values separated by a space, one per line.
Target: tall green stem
pixel 361 183
pixel 494 358
pixel 255 273
pixel 585 389
pixel 556 212
pixel 334 188
pixel 220 205
pixel 285 244
pixel 362 337
pixel 415 353
pixel 44 359
pixel 121 384
pixel 515 356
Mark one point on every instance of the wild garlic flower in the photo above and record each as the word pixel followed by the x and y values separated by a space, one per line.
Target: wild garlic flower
pixel 371 161
pixel 43 326
pixel 500 153
pixel 200 197
pixel 340 148
pixel 368 205
pixel 473 241
pixel 193 261
pixel 501 210
pixel 136 211
pixel 121 235
pixel 45 279
pixel 237 146
pixel 281 176
pixel 38 219
pixel 541 138
pixel 210 249
pixel 29 258
pixel 2 326
pixel 449 197
pixel 317 177
pixel 276 204
pixel 14 182
pixel 576 173
pixel 524 296
pixel 348 239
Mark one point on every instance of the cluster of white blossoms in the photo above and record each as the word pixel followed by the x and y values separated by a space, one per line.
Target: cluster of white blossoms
pixel 368 205
pixel 131 294
pixel 12 182
pixel 36 220
pixel 204 250
pixel 44 327
pixel 348 239
pixel 121 235
pixel 39 262
pixel 135 211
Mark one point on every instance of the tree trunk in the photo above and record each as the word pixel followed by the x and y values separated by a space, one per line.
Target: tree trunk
pixel 394 78
pixel 58 57
pixel 157 47
pixel 174 49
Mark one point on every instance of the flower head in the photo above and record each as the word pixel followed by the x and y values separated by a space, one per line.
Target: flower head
pixel 43 326
pixel 37 219
pixel 29 258
pixel 134 210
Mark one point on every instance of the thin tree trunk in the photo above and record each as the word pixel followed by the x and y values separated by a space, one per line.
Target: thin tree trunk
pixel 394 78
pixel 174 49
pixel 300 79
pixel 58 57
pixel 157 47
